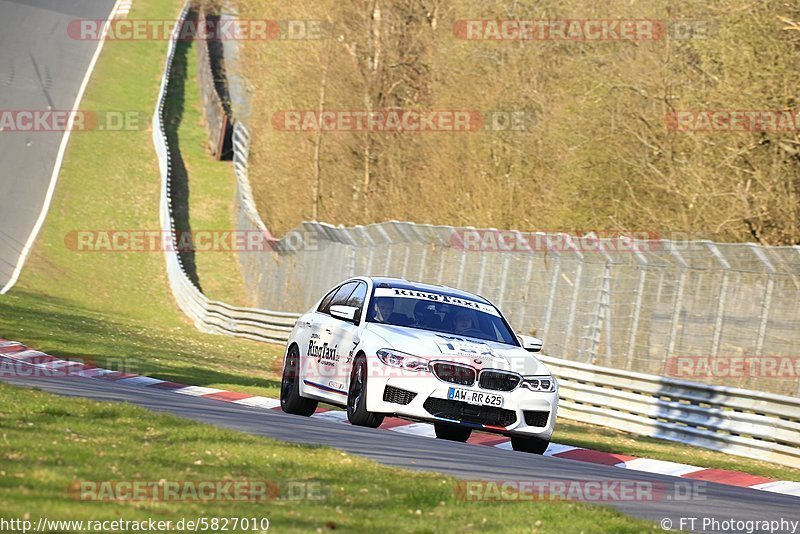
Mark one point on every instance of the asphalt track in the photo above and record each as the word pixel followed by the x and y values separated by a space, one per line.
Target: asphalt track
pixel 41 68
pixel 465 461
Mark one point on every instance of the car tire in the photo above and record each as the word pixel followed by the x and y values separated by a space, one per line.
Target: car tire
pixel 452 432
pixel 357 412
pixel 531 445
pixel 291 401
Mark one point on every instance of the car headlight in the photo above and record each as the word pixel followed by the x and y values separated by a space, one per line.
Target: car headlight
pixel 395 358
pixel 539 383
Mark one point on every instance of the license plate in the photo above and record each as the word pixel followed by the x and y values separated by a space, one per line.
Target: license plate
pixel 475 397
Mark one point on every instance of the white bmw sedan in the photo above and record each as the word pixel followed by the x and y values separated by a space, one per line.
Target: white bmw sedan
pixel 387 346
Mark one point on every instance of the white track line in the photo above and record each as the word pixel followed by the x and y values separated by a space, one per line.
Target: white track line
pixel 558 448
pixel 196 391
pixel 57 167
pixel 659 466
pixel 418 429
pixel 259 402
pixel 780 486
pixel 140 381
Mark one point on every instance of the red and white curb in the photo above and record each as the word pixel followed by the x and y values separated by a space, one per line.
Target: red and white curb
pixel 13 354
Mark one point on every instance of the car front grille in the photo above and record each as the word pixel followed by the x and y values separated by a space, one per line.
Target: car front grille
pixel 397 395
pixel 536 418
pixel 470 413
pixel 498 381
pixel 463 375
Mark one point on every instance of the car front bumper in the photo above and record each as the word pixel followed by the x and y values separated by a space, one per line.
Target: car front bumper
pixel 524 412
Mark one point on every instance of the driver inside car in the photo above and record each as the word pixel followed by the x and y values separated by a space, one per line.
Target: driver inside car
pixel 463 322
pixel 382 309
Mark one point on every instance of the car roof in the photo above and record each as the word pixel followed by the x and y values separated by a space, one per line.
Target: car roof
pixel 401 283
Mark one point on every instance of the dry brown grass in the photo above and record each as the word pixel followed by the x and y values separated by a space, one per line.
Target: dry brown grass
pixel 598 156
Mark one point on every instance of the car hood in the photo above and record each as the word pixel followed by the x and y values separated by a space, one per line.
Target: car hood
pixel 477 353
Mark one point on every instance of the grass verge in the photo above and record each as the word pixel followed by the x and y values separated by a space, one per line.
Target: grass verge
pixel 46 447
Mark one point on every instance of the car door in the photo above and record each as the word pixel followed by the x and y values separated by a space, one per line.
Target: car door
pixel 323 351
pixel 306 322
pixel 347 335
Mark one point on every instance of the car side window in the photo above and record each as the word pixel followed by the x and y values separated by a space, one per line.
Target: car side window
pixel 344 292
pixel 357 298
pixel 325 304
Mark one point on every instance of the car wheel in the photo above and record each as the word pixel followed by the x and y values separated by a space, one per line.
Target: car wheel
pixel 532 445
pixel 291 401
pixel 452 432
pixel 357 412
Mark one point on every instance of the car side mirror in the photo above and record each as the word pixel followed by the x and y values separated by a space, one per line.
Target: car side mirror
pixel 530 343
pixel 346 313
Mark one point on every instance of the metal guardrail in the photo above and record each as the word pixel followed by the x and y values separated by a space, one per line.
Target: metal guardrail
pixel 208 315
pixel 731 420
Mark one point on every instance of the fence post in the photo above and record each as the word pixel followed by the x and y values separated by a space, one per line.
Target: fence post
pixel 676 310
pixel 503 275
pixel 442 257
pixel 421 275
pixel 576 287
pixel 637 304
pixel 602 315
pixel 720 315
pixel 526 284
pixel 370 244
pixel 766 302
pixel 551 293
pixel 401 229
pixel 462 265
pixel 388 241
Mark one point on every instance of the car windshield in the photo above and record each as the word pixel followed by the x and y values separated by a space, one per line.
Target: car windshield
pixel 439 313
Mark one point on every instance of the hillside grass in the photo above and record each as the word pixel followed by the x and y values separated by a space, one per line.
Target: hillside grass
pixel 597 156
